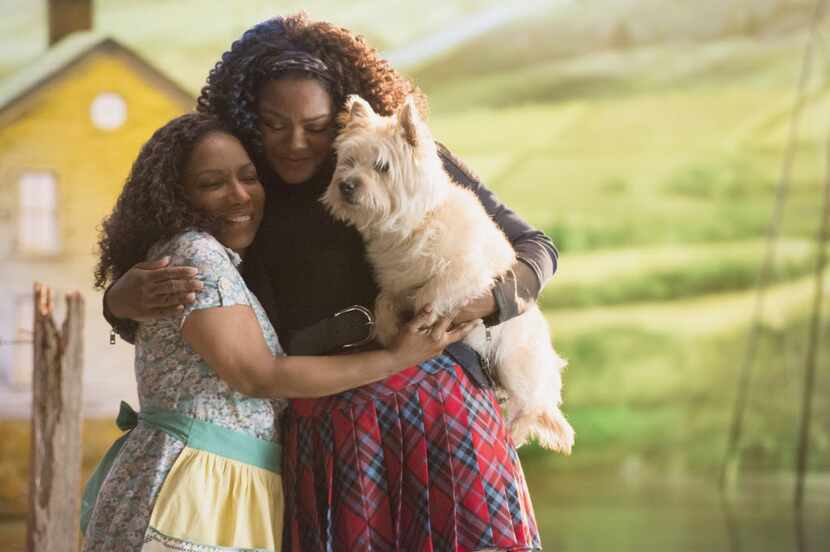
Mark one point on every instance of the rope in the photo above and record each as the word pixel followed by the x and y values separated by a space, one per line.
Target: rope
pixel 773 230
pixel 813 343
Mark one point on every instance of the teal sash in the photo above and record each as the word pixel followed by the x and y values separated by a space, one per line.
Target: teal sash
pixel 194 433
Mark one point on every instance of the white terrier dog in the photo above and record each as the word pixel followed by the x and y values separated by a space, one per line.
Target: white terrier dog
pixel 430 241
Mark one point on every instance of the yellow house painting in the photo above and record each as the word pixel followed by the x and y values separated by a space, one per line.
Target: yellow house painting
pixel 70 126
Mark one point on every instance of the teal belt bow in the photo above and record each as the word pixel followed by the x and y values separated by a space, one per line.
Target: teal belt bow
pixel 197 434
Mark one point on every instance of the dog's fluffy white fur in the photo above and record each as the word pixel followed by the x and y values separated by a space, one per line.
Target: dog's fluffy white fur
pixel 430 241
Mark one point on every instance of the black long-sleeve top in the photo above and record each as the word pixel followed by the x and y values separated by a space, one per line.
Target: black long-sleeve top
pixel 305 266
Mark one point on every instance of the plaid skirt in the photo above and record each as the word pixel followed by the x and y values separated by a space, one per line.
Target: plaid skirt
pixel 418 462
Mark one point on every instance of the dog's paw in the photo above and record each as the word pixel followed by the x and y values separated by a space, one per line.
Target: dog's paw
pixel 548 428
pixel 554 432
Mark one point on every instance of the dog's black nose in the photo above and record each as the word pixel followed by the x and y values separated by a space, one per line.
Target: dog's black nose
pixel 347 187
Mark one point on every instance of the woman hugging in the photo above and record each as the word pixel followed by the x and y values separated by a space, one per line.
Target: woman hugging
pixel 220 259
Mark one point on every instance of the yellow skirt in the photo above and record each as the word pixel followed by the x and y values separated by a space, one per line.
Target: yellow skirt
pixel 209 502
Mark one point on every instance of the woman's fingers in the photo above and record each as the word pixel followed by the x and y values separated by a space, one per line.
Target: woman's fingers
pixel 164 288
pixel 475 308
pixel 153 265
pixel 442 330
pixel 169 300
pixel 422 320
pixel 460 332
pixel 440 327
pixel 172 287
pixel 173 273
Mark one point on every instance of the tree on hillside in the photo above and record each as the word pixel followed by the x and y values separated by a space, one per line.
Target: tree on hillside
pixel 752 24
pixel 620 37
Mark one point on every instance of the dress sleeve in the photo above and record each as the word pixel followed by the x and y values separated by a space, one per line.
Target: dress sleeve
pixel 223 285
pixel 536 254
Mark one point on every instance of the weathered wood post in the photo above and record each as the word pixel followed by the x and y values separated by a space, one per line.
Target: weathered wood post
pixel 55 480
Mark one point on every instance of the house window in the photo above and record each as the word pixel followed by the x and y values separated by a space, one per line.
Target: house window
pixel 16 319
pixel 37 229
pixel 108 111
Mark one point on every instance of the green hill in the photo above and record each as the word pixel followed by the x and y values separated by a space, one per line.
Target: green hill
pixel 659 144
pixel 654 168
pixel 635 275
pixel 581 28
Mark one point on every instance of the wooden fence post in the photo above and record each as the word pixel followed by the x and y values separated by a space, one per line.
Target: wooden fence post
pixel 55 480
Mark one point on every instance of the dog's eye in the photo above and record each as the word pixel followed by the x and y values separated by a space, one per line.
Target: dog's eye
pixel 349 162
pixel 381 166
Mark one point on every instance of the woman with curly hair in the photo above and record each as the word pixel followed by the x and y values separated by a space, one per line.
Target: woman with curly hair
pixel 199 468
pixel 421 460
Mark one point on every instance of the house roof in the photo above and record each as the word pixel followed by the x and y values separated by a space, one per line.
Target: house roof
pixel 66 53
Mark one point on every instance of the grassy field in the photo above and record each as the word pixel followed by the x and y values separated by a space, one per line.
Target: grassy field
pixel 661 273
pixel 674 165
pixel 655 171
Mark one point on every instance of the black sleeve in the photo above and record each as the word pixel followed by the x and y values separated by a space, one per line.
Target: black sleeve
pixel 123 327
pixel 256 278
pixel 536 254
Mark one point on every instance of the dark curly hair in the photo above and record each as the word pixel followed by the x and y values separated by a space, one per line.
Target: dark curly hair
pixel 153 205
pixel 350 67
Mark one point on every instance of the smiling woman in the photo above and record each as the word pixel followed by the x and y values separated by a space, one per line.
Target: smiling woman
pixel 220 179
pixel 193 194
pixel 153 205
pixel 200 465
pixel 278 88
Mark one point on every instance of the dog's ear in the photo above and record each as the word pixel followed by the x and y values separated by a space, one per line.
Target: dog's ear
pixel 359 108
pixel 410 122
pixel 355 111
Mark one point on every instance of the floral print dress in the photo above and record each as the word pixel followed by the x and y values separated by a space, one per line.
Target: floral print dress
pixel 162 494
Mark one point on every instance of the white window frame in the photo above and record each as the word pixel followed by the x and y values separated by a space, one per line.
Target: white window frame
pixel 37 220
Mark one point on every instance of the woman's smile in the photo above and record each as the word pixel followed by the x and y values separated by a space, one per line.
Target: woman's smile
pixel 221 181
pixel 239 219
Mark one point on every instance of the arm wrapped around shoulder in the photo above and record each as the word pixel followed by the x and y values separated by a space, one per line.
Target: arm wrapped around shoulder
pixel 222 284
pixel 536 255
pixel 124 327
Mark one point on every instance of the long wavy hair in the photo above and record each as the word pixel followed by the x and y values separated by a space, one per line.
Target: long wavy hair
pixel 351 66
pixel 153 205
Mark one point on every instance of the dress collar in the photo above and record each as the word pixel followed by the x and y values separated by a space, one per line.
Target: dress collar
pixel 235 258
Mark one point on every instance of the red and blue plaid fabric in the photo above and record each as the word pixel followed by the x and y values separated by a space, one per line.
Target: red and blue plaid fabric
pixel 418 462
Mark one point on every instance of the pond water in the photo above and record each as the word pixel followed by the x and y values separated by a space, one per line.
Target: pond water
pixel 585 512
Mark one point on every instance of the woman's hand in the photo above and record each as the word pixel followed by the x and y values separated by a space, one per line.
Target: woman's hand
pixel 152 290
pixel 476 308
pixel 417 341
